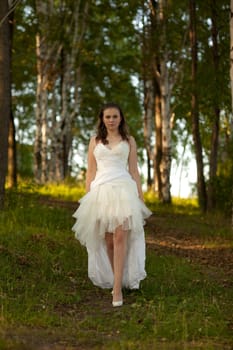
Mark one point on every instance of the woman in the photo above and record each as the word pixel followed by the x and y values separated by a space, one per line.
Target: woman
pixel 111 215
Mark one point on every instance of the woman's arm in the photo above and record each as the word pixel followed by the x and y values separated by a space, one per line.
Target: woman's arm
pixel 91 164
pixel 133 166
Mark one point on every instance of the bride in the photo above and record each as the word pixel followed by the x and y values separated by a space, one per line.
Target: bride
pixel 110 218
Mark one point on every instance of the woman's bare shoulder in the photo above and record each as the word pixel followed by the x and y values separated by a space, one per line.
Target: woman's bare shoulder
pixel 132 141
pixel 92 142
pixel 131 138
pixel 93 138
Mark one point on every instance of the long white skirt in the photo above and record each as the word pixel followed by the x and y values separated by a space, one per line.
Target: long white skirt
pixel 103 209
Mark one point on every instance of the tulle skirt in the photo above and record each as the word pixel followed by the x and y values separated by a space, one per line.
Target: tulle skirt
pixel 103 209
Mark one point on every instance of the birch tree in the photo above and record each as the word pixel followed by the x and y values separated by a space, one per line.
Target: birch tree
pixel 58 81
pixel 70 85
pixel 162 158
pixel 163 57
pixel 162 115
pixel 148 125
pixel 48 53
pixel 5 94
pixel 165 88
pixel 41 142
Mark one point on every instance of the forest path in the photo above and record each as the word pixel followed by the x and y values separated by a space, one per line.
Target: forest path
pixel 217 254
pixel 168 239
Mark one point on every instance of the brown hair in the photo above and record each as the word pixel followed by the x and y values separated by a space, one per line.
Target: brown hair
pixel 101 129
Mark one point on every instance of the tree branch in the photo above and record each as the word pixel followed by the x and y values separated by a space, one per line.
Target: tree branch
pixel 12 8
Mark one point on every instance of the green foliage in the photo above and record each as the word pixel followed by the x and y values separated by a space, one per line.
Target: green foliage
pixel 223 182
pixel 212 83
pixel 112 67
pixel 110 59
pixel 24 70
pixel 223 187
pixel 25 160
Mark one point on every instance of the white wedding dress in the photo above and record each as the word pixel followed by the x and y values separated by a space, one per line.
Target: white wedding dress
pixel 112 201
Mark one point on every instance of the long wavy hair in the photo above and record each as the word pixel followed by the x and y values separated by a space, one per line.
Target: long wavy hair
pixel 101 129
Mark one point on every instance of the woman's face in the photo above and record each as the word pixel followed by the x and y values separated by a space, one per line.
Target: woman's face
pixel 111 119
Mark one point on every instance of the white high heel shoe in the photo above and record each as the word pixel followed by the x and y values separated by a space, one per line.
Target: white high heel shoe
pixel 117 303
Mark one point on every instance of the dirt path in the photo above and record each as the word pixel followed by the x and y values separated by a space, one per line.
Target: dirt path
pixel 175 242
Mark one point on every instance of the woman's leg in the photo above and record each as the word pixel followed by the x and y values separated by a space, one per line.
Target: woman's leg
pixel 110 247
pixel 119 253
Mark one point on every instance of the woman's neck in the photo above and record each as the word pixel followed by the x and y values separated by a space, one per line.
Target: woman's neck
pixel 113 135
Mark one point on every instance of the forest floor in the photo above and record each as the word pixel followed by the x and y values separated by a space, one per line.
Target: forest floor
pixel 164 238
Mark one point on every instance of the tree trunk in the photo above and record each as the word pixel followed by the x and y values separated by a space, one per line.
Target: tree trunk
pixel 47 54
pixel 166 132
pixel 165 165
pixel 216 109
pixel 12 161
pixel 231 78
pixel 5 95
pixel 65 118
pixel 68 109
pixel 38 134
pixel 158 142
pixel 201 188
pixel 231 53
pixel 12 158
pixel 44 131
pixel 162 164
pixel 147 122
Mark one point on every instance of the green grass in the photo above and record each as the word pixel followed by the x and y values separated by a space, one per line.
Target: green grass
pixel 180 205
pixel 186 217
pixel 68 190
pixel 45 291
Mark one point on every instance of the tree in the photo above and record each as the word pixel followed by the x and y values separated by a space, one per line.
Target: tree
pixel 165 90
pixel 194 110
pixel 5 94
pixel 96 57
pixel 70 73
pixel 162 82
pixel 12 159
pixel 77 70
pixel 148 92
pixel 162 53
pixel 231 77
pixel 212 99
pixel 58 79
pixel 211 202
